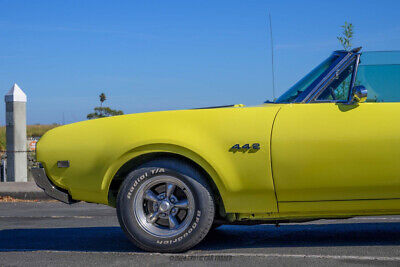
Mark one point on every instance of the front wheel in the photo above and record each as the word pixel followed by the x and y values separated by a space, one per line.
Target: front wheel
pixel 164 211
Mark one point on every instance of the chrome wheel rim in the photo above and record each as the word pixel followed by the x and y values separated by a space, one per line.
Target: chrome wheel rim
pixel 164 206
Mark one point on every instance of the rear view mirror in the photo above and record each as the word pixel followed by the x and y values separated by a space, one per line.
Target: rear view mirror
pixel 358 94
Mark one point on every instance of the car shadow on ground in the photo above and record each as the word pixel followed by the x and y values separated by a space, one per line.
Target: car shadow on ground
pixel 112 239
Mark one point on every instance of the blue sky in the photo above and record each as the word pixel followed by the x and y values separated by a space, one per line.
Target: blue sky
pixel 158 55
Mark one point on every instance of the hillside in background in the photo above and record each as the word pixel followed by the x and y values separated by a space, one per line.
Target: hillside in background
pixel 31 131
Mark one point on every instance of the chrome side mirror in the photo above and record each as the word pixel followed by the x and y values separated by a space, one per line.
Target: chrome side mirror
pixel 358 94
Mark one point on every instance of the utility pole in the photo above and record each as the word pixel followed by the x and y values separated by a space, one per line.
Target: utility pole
pixel 17 162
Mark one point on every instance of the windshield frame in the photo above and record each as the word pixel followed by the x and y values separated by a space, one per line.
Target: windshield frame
pixel 309 92
pixel 354 60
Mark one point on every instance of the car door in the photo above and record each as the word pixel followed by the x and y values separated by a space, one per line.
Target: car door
pixel 328 150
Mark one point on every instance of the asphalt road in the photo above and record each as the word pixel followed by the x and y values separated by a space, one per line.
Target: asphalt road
pixel 56 234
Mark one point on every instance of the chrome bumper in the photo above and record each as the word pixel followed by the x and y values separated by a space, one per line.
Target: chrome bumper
pixel 42 181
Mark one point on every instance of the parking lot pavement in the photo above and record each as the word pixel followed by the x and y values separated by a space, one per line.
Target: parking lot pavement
pixel 52 233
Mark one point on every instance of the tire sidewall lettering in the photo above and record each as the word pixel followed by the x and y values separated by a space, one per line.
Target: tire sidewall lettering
pixel 183 236
pixel 141 178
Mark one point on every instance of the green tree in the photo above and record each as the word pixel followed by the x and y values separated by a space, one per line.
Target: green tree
pixel 102 99
pixel 346 37
pixel 101 112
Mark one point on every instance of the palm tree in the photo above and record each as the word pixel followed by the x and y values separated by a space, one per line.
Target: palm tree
pixel 102 99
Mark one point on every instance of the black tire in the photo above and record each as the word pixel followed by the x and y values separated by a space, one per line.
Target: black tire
pixel 192 229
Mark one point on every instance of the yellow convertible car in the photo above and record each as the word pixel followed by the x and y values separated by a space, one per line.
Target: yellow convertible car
pixel 324 149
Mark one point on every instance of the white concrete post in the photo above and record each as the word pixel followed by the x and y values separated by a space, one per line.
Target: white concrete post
pixel 16 135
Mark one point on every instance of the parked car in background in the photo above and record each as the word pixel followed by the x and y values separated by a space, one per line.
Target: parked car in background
pixel 327 148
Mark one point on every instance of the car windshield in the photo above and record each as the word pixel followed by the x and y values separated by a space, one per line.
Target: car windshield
pixel 290 95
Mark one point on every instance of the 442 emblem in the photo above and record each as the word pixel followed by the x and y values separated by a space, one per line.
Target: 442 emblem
pixel 244 148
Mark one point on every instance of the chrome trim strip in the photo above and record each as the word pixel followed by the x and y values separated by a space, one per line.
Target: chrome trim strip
pixel 347 60
pixel 315 90
pixel 340 200
pixel 314 99
pixel 353 80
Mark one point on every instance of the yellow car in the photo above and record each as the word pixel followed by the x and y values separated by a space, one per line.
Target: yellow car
pixel 324 149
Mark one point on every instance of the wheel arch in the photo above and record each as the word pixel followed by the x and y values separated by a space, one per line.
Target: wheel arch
pixel 135 162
